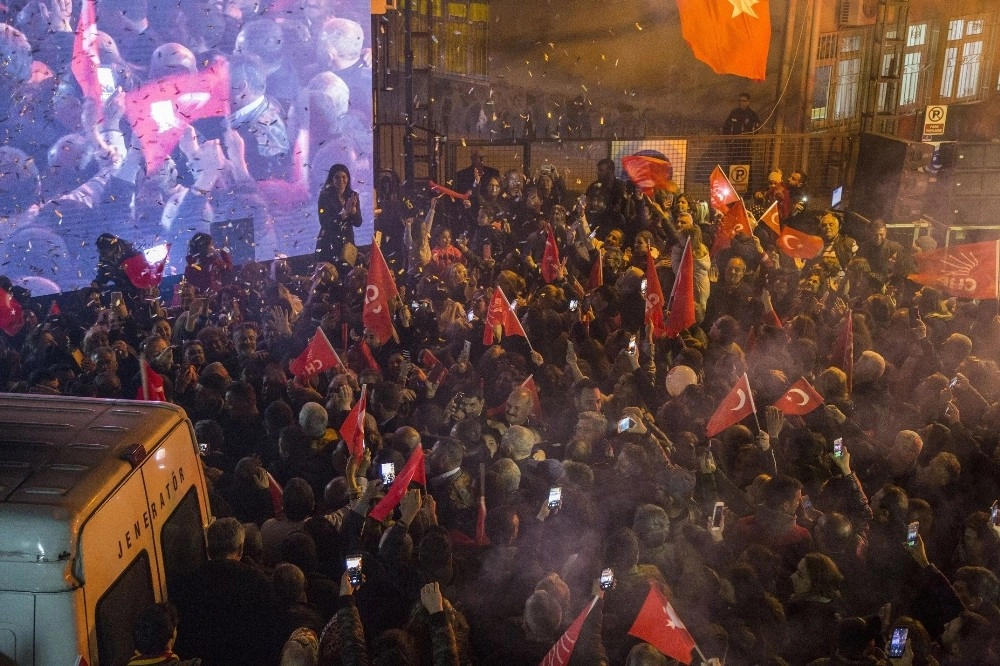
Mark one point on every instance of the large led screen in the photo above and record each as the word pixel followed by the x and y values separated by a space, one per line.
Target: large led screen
pixel 155 120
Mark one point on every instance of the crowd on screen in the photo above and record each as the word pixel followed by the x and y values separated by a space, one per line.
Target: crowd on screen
pixel 836 526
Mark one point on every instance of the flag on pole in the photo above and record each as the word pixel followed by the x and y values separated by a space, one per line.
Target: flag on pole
pixel 971 270
pixel 560 653
pixel 799 400
pixel 550 258
pixel 161 110
pixel 734 408
pixel 436 372
pixel 799 245
pixel 366 353
pixel 141 273
pixel 722 194
pixel 772 219
pixel 86 58
pixel 730 36
pixel 653 297
pixel 353 429
pixel 413 471
pixel 649 173
pixel 842 354
pixel 501 314
pixel 536 403
pixel 658 624
pixel 151 387
pixel 380 290
pixel 736 220
pixel 681 314
pixel 319 355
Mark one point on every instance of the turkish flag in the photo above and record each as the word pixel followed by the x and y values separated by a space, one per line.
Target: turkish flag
pixel 649 173
pixel 799 245
pixel 481 538
pixel 681 315
pixel 654 298
pixel 730 36
pixel 966 271
pixel 151 386
pixel 734 408
pixel 161 110
pixel 86 58
pixel 722 194
pixel 536 403
pixel 500 313
pixel 352 431
pixel 319 355
pixel 560 653
pixel 142 274
pixel 596 278
pixel 11 314
pixel 54 309
pixel 550 258
pixel 381 288
pixel 413 471
pixel 772 219
pixel 736 220
pixel 799 400
pixel 658 624
pixel 842 353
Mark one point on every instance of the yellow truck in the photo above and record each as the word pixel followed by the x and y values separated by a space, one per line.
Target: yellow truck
pixel 103 506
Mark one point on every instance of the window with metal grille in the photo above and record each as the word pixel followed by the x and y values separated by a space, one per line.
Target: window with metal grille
pixel 962 62
pixel 913 59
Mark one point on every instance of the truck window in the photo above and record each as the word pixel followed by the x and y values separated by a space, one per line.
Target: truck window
pixel 117 609
pixel 182 541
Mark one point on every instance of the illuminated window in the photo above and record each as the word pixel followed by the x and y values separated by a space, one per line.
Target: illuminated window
pixel 845 96
pixel 913 58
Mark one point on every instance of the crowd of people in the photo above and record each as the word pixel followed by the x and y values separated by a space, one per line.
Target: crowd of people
pixel 210 116
pixel 784 539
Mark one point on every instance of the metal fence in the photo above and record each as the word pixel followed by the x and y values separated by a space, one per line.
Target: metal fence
pixel 825 158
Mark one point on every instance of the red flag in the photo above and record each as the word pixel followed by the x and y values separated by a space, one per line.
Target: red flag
pixel 721 192
pixel 657 624
pixel 966 271
pixel 536 403
pixel 413 470
pixel 734 408
pixel 730 36
pixel 11 314
pixel 161 110
pixel 771 218
pixel 799 400
pixel 550 258
pixel 654 297
pixel 366 353
pixel 561 652
pixel 842 354
pixel 381 288
pixel 86 58
pixel 151 387
pixel 500 313
pixel 799 245
pixel 436 372
pixel 54 309
pixel 649 173
pixel 441 189
pixel 681 315
pixel 145 275
pixel 736 220
pixel 319 355
pixel 596 278
pixel 352 431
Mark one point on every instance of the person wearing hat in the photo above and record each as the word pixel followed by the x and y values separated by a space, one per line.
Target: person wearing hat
pixel 776 192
